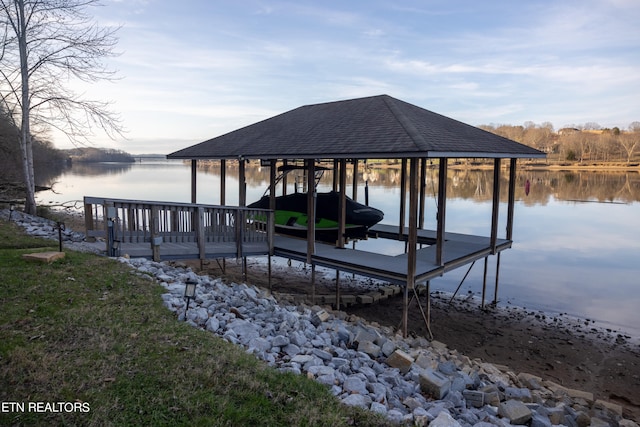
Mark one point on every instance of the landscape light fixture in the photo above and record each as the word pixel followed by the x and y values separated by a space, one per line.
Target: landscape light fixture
pixel 61 227
pixel 115 248
pixel 189 293
pixel 12 207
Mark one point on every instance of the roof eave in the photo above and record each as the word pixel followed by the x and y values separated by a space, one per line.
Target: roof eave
pixel 372 155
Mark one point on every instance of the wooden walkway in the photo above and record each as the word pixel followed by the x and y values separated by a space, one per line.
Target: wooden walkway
pixel 167 231
pixel 170 231
pixel 458 250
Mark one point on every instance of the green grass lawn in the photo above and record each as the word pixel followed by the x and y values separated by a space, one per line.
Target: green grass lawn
pixel 87 329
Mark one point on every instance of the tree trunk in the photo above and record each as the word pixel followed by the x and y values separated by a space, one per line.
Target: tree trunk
pixel 25 131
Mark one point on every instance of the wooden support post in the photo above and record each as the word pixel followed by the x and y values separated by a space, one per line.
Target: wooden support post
pixel 337 289
pixel 88 221
pixel 403 197
pixel 429 308
pixel 313 283
pixel 442 210
pixel 239 231
pixel 311 209
pixel 223 194
pixel 155 231
pixel 272 184
pixel 423 184
pixel 413 223
pixel 512 198
pixel 199 232
pixel 194 171
pixel 412 240
pixel 269 272
pixel 495 291
pixel 484 282
pixel 109 214
pixel 242 183
pixel 342 204
pixel 223 184
pixel 354 181
pixel 405 312
pixel 496 205
pixel 284 178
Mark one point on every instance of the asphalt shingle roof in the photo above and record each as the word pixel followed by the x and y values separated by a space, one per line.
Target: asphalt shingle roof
pixel 373 127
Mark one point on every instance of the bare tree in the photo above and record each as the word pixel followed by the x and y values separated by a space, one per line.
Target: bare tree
pixel 629 142
pixel 45 45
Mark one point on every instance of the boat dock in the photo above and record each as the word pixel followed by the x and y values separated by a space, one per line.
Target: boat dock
pixel 172 231
pixel 342 133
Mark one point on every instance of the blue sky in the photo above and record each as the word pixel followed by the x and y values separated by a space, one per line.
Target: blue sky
pixel 197 69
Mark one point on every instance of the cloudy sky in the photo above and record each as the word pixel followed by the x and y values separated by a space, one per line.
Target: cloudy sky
pixel 196 69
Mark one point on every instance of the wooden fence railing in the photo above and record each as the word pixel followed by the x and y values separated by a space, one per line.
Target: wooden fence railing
pixel 211 230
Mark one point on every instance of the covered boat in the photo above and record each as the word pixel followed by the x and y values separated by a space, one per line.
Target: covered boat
pixel 291 213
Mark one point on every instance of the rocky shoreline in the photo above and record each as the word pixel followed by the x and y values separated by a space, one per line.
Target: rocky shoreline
pixel 410 380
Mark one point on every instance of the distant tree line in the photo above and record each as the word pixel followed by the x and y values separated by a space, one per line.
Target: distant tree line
pixel 46 158
pixel 94 155
pixel 583 143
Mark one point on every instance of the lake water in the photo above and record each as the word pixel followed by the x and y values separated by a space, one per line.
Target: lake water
pixel 576 235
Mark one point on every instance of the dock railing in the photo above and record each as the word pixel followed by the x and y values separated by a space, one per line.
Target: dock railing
pixel 209 229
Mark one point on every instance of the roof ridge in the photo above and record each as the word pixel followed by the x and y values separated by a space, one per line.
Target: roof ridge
pixel 405 122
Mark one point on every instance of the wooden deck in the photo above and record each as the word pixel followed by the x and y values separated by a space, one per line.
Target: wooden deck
pixel 458 250
pixel 171 231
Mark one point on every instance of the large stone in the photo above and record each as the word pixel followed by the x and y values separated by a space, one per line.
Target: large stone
pixel 357 400
pixel 378 407
pixel 521 394
pixel 345 300
pixel 261 344
pixel 244 329
pixel 280 341
pixel 302 358
pixel 369 348
pixel 540 421
pixel 354 384
pixel 322 354
pixel 388 347
pixel 597 422
pixel 319 317
pixel 212 324
pixel 47 257
pixel 364 299
pixel 609 406
pixel 434 383
pixel 292 350
pixel 425 361
pixel 556 414
pixel 579 394
pixel 532 382
pixel 474 398
pixel 444 420
pixel 401 360
pixel 412 403
pixel 366 334
pixel 515 411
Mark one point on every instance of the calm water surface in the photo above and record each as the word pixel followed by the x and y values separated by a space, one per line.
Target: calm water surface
pixel 576 235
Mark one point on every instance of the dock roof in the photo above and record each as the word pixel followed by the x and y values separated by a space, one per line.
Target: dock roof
pixel 376 127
